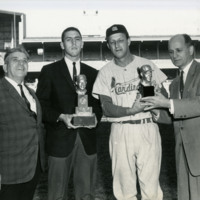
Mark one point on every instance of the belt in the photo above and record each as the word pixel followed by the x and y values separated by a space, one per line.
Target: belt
pixel 140 121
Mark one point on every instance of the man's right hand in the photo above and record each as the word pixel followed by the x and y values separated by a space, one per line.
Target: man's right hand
pixel 66 118
pixel 136 108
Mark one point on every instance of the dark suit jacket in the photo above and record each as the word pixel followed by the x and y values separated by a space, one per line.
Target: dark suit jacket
pixel 21 135
pixel 57 95
pixel 186 118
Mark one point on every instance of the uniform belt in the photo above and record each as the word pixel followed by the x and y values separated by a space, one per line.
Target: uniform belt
pixel 140 121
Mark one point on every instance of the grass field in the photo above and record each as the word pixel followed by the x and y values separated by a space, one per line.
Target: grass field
pixel 104 183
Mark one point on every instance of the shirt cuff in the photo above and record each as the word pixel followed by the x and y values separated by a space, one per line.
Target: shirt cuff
pixel 171 109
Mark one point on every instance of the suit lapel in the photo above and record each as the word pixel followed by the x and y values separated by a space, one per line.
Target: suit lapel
pixel 190 78
pixel 188 83
pixel 175 88
pixel 65 73
pixel 12 91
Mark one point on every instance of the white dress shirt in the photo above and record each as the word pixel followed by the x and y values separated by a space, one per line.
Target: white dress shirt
pixel 70 66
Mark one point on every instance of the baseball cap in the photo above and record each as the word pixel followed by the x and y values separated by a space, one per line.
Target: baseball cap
pixel 116 28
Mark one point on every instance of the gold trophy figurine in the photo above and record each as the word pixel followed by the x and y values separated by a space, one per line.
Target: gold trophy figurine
pixel 146 85
pixel 83 114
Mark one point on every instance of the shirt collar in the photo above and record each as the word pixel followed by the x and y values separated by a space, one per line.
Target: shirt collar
pixel 70 65
pixel 69 62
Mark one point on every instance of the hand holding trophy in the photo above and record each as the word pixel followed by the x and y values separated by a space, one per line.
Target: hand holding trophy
pixel 83 116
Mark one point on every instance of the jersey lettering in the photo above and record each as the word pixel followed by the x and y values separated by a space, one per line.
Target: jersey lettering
pixel 122 88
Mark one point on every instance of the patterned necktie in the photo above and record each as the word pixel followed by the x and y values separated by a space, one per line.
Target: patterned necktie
pixel 181 84
pixel 74 72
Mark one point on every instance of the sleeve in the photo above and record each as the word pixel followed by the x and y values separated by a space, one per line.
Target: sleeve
pixel 171 110
pixel 95 103
pixel 111 110
pixel 101 86
pixel 43 93
pixel 158 75
pixel 186 108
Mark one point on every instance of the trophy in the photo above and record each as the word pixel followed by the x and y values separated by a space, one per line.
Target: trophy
pixel 146 86
pixel 83 114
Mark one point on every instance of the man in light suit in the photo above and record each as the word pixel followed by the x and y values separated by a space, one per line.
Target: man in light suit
pixel 70 148
pixel 21 131
pixel 185 114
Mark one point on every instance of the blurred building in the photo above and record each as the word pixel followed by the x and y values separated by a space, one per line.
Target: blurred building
pixel 11 25
pixel 11 29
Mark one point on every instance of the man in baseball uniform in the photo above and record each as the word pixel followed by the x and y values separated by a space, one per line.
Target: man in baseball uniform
pixel 135 143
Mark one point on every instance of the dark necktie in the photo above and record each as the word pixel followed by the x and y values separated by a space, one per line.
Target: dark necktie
pixel 181 84
pixel 74 72
pixel 24 97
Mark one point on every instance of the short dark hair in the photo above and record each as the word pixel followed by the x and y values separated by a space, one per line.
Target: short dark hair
pixel 16 49
pixel 70 29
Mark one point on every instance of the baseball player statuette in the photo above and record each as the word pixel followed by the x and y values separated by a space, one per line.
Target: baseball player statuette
pixel 83 114
pixel 146 86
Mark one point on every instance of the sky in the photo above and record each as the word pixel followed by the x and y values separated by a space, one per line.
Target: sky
pixel 48 18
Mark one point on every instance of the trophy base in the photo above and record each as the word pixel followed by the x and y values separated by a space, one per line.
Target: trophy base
pixel 83 120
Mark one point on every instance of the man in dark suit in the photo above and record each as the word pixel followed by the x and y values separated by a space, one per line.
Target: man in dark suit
pixel 21 131
pixel 184 111
pixel 69 148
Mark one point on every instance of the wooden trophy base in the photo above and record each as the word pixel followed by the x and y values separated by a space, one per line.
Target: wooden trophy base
pixel 83 120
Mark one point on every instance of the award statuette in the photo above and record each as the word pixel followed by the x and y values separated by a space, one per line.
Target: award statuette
pixel 146 86
pixel 83 114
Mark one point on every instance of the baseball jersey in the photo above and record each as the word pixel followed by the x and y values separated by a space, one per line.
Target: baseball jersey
pixel 121 84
